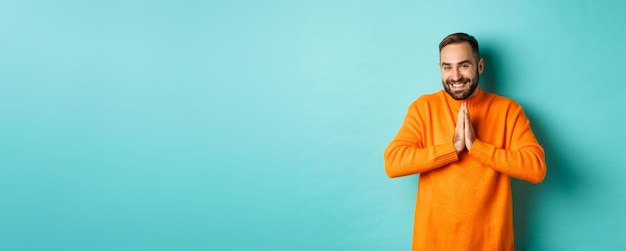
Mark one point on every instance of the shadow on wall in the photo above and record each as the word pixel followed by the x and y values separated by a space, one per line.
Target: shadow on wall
pixel 559 177
pixel 488 78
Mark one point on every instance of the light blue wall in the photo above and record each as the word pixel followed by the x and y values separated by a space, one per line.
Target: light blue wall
pixel 261 125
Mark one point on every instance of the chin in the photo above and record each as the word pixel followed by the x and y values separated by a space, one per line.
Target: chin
pixel 460 97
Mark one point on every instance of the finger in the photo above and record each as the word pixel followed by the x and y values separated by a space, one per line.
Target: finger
pixel 469 131
pixel 460 116
pixel 460 123
pixel 459 132
pixel 466 119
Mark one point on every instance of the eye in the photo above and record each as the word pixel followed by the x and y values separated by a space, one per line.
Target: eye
pixel 465 66
pixel 446 68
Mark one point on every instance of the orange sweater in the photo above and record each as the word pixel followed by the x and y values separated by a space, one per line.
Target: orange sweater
pixel 464 201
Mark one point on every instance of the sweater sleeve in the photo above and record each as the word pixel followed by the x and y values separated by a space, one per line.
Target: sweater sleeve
pixel 524 158
pixel 406 154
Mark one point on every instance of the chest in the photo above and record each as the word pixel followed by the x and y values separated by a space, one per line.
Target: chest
pixel 488 124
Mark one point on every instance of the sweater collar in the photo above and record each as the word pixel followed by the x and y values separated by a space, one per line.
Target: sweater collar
pixel 471 102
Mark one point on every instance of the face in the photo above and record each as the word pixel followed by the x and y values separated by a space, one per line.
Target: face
pixel 460 71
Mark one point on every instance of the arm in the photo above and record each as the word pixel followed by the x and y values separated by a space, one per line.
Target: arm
pixel 524 159
pixel 406 153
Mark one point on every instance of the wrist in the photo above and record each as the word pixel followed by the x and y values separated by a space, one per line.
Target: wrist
pixel 470 143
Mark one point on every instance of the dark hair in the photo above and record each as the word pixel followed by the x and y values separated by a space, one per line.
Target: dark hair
pixel 461 37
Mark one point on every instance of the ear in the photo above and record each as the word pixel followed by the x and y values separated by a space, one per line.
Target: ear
pixel 481 66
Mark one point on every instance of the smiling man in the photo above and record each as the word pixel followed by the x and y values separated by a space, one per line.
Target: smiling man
pixel 466 144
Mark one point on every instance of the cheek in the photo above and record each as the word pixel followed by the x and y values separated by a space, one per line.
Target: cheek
pixel 468 74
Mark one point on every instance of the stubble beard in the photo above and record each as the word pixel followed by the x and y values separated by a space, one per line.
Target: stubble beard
pixel 461 95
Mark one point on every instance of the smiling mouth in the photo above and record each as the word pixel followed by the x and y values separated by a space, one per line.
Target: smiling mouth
pixel 459 85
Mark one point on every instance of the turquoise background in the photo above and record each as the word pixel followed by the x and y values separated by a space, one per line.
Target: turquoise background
pixel 261 125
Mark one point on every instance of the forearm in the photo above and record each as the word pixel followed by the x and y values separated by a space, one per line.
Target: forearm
pixel 525 163
pixel 403 158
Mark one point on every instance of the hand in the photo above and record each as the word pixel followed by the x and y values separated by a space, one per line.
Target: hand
pixel 470 136
pixel 464 134
pixel 459 131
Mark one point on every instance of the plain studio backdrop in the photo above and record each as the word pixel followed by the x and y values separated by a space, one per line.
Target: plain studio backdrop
pixel 261 125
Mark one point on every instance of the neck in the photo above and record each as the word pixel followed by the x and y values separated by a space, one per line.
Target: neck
pixel 473 100
pixel 474 94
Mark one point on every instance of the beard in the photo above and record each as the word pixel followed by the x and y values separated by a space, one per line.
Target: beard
pixel 463 94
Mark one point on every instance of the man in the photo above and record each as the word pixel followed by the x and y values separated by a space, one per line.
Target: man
pixel 466 144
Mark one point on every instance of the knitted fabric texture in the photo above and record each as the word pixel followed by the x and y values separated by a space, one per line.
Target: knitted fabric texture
pixel 464 200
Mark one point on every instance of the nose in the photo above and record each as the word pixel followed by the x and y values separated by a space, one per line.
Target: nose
pixel 456 74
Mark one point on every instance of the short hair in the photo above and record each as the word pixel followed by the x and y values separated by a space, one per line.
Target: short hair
pixel 461 37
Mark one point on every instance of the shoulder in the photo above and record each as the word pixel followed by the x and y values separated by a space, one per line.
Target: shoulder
pixel 503 102
pixel 427 100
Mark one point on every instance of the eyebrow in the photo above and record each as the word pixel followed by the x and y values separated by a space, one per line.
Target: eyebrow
pixel 462 62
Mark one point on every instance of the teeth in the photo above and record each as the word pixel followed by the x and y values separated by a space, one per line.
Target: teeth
pixel 457 85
